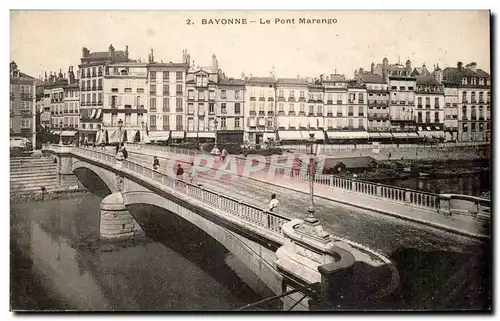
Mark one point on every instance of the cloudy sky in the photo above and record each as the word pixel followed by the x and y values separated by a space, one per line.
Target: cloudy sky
pixel 49 40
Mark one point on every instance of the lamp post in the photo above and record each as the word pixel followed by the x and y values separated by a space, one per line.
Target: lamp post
pixel 120 124
pixel 313 149
pixel 215 124
pixel 60 133
pixel 142 132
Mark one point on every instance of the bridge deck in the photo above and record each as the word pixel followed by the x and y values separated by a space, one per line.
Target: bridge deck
pixel 379 232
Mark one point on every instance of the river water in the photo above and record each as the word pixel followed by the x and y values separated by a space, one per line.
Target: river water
pixel 57 263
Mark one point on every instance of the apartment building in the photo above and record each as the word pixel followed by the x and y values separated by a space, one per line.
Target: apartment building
pixel 260 110
pixel 167 98
pixel 296 105
pixel 378 120
pixel 22 104
pixel 429 109
pixel 230 98
pixel 474 104
pixel 201 87
pixel 451 111
pixel 71 108
pixel 92 69
pixel 124 103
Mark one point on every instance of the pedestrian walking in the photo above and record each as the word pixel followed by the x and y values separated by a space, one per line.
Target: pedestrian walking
pixel 125 153
pixel 156 163
pixel 273 203
pixel 179 172
pixel 117 149
pixel 224 154
pixel 192 176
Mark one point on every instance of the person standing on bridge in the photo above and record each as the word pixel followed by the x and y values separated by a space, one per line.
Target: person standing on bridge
pixel 124 151
pixel 156 163
pixel 273 203
pixel 224 154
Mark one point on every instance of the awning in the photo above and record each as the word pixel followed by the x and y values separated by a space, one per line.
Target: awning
pixel 177 134
pixel 68 133
pixel 385 135
pixel 206 134
pixel 99 113
pixel 267 136
pixel 431 134
pixel 92 115
pixel 112 136
pixel 374 135
pixel 289 135
pixel 347 135
pixel 318 134
pixel 159 135
pixel 412 135
pixel 131 135
pixel 400 135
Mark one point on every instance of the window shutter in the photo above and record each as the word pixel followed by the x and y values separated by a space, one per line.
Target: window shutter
pixel 119 100
pixel 110 100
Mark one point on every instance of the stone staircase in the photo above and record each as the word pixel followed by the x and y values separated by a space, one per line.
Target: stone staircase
pixel 28 175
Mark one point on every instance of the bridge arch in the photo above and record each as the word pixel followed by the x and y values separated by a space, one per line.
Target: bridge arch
pixel 256 257
pixel 106 176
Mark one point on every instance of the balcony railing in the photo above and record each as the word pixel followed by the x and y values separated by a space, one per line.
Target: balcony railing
pixel 339 102
pixel 427 106
pixel 339 115
pixel 252 113
pixel 270 113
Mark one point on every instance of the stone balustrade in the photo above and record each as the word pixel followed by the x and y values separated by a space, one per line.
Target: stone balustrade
pixel 269 221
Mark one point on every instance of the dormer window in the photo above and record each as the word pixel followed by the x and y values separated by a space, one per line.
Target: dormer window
pixel 464 81
pixel 481 81
pixel 201 80
pixel 473 81
pixel 124 72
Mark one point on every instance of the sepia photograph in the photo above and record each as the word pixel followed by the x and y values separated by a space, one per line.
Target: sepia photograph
pixel 243 161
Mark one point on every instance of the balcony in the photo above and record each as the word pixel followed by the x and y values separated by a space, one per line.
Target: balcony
pixel 427 106
pixel 153 93
pixel 179 110
pixel 252 99
pixel 448 104
pixel 270 113
pixel 329 114
pixel 260 98
pixel 268 99
pixel 436 106
pixel 464 101
pixel 303 99
pixel 420 106
pixel 94 103
pixel 301 113
pixel 190 98
pixel 291 112
pixel 465 118
pixel 262 113
pixel 166 128
pixel 310 114
pixel 99 74
pixel 223 111
pixel 339 115
pixel 151 109
pixel 291 99
pixel 481 101
pixel 329 102
pixel 481 118
pixel 281 113
pixel 361 114
pixel 189 112
pixel 252 113
pixel 454 104
pixel 350 114
pixel 339 102
pixel 94 87
pixel 350 101
pixel 201 113
pixel 473 101
pixel 402 102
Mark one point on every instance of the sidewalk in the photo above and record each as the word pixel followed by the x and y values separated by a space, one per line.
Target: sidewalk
pixel 457 224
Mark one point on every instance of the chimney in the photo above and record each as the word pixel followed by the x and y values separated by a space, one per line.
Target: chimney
pixel 360 71
pixel 408 66
pixel 242 76
pixel 473 66
pixel 372 68
pixel 385 69
pixel 85 52
pixel 151 58
pixel 215 63
pixel 126 52
pixel 459 66
pixel 111 53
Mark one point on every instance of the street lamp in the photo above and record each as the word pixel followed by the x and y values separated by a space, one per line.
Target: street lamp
pixel 215 124
pixel 313 149
pixel 120 124
pixel 60 133
pixel 142 131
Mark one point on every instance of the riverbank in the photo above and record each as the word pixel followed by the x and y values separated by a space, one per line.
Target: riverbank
pixel 40 196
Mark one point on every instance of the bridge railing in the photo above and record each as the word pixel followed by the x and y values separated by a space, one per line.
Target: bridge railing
pixel 420 199
pixel 223 204
pixel 440 203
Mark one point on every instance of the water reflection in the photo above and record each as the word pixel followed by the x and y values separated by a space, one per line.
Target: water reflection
pixel 56 263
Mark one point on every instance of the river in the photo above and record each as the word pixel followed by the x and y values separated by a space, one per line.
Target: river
pixel 57 263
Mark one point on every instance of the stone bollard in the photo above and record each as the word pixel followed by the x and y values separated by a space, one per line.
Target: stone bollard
pixel 117 224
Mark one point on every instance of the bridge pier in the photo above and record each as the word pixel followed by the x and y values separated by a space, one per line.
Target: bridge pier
pixel 117 224
pixel 65 169
pixel 309 258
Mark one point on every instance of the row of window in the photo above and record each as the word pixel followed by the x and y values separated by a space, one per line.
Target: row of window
pixel 166 90
pixel 427 102
pixel 211 94
pixel 68 107
pixel 91 84
pixel 403 88
pixel 480 127
pixel 480 95
pixel 211 108
pixel 166 104
pixel 166 75
pixel 474 81
pixel 91 72
pixel 66 122
pixel 427 117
